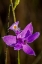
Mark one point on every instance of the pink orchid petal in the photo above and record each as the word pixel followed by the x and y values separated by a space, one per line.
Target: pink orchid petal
pixel 23 33
pixel 9 39
pixel 28 50
pixel 33 37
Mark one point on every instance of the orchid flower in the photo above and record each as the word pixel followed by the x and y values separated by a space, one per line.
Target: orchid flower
pixel 21 40
pixel 15 27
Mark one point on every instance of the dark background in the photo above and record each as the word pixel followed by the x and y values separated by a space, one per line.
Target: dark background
pixel 27 11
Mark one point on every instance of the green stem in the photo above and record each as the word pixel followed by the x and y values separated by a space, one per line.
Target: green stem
pixel 6 55
pixel 8 31
pixel 15 21
pixel 18 58
pixel 13 11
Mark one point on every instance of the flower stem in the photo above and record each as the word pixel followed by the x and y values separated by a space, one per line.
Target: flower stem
pixel 6 52
pixel 6 55
pixel 18 58
pixel 15 21
pixel 13 11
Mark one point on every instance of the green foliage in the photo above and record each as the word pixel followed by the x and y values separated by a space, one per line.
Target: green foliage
pixel 16 3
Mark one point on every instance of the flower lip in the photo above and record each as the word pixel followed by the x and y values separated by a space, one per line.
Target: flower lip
pixel 14 26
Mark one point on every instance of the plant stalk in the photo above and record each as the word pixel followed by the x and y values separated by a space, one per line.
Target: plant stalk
pixel 13 11
pixel 18 57
pixel 15 21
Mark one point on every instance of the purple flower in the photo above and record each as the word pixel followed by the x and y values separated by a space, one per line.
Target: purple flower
pixel 15 27
pixel 22 39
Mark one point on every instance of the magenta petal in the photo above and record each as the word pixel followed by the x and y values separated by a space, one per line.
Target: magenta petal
pixel 12 27
pixel 28 50
pixel 9 39
pixel 33 37
pixel 23 33
pixel 27 34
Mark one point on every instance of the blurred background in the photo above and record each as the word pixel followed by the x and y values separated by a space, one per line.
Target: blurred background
pixel 27 11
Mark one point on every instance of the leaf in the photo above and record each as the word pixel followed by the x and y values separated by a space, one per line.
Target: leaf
pixel 16 3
